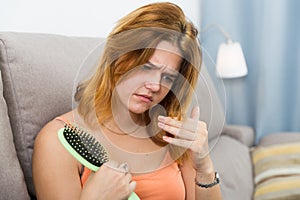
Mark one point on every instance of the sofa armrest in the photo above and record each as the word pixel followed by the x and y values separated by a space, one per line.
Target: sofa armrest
pixel 244 134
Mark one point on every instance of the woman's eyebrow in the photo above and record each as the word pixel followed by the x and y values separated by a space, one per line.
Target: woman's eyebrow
pixel 153 65
pixel 172 73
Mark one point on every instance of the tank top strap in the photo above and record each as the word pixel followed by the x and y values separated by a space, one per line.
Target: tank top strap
pixel 62 120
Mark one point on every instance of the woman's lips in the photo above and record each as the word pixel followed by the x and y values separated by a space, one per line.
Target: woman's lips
pixel 144 98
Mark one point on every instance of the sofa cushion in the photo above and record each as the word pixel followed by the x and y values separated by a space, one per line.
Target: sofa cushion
pixel 277 171
pixel 279 138
pixel 232 160
pixel 38 73
pixel 12 180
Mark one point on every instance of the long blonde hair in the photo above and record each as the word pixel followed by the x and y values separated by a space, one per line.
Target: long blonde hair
pixel 131 43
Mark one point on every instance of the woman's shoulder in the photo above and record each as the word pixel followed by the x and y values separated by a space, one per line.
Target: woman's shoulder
pixel 47 138
pixel 47 143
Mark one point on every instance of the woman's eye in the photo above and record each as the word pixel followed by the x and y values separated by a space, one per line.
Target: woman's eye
pixel 168 79
pixel 146 67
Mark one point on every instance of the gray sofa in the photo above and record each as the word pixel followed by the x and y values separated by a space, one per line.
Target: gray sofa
pixel 37 77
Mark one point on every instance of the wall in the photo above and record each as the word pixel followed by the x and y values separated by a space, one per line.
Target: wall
pixel 81 18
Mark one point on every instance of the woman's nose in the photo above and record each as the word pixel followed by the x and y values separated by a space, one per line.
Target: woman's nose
pixel 153 84
pixel 155 87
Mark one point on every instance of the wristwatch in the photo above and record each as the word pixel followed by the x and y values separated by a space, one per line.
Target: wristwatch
pixel 209 185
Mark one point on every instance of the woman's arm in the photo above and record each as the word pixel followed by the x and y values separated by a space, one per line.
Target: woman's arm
pixel 56 173
pixel 207 176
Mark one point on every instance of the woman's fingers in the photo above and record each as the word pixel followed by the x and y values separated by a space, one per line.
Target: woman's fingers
pixel 178 131
pixel 189 133
pixel 189 129
pixel 195 113
pixel 171 121
pixel 188 124
pixel 178 142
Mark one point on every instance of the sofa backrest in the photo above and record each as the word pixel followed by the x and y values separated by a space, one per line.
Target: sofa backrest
pixel 38 73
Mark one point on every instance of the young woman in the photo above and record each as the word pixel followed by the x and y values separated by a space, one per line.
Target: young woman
pixel 135 105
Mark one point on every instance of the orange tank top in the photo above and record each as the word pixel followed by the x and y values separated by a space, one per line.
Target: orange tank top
pixel 163 184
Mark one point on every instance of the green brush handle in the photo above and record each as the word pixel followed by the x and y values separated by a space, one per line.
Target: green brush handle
pixel 87 164
pixel 133 196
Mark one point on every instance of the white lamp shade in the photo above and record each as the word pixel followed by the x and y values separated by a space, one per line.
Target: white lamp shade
pixel 231 61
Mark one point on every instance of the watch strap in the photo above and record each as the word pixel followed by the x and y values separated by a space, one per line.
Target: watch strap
pixel 209 185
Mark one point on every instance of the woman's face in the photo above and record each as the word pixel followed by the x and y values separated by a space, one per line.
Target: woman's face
pixel 147 85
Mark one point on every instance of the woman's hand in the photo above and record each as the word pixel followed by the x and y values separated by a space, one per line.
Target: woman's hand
pixel 111 181
pixel 191 134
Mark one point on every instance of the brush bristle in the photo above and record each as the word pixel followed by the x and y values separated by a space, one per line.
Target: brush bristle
pixel 85 145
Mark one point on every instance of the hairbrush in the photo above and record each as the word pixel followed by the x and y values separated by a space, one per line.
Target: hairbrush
pixel 85 148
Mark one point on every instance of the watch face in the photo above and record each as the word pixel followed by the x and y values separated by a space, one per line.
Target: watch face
pixel 217 176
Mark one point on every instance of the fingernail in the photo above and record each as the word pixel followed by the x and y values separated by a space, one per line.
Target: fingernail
pixel 165 138
pixel 160 125
pixel 161 118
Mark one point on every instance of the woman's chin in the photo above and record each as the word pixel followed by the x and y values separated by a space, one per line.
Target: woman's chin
pixel 138 110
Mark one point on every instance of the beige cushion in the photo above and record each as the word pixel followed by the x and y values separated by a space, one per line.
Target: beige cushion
pixel 12 180
pixel 277 171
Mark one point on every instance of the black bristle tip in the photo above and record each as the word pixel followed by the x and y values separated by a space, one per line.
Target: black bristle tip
pixel 85 145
